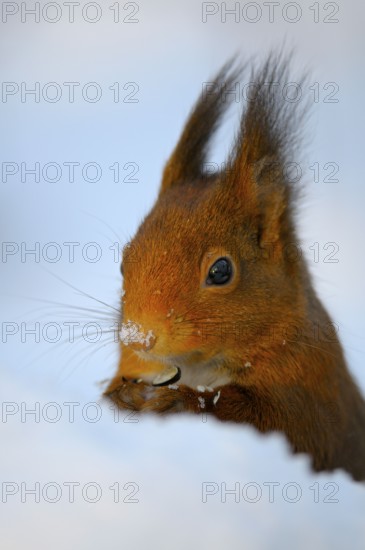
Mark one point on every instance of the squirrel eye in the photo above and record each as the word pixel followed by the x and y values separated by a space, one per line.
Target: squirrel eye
pixel 220 272
pixel 121 269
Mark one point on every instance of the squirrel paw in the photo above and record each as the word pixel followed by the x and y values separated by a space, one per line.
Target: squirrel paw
pixel 139 396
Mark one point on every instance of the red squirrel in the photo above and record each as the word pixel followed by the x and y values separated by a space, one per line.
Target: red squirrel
pixel 219 314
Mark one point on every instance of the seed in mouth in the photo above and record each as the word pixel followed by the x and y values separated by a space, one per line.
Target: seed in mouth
pixel 168 376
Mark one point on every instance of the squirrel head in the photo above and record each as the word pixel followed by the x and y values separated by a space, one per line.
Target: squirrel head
pixel 215 264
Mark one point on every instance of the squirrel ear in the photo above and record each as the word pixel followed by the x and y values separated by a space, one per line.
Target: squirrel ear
pixel 273 197
pixel 187 160
pixel 269 131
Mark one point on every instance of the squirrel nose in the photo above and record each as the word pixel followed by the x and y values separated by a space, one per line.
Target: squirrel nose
pixel 132 335
pixel 145 345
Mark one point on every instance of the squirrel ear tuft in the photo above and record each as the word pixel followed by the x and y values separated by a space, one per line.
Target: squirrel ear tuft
pixel 269 131
pixel 187 160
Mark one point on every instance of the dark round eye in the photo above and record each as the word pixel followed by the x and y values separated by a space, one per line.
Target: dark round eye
pixel 220 272
pixel 121 269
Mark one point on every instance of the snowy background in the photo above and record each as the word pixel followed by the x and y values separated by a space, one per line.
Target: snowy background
pixel 170 479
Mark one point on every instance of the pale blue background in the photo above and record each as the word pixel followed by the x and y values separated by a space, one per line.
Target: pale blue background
pixel 168 53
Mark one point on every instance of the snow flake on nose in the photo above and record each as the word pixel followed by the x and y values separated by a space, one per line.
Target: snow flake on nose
pixel 131 332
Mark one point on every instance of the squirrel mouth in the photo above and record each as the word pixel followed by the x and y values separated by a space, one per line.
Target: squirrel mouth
pixel 168 376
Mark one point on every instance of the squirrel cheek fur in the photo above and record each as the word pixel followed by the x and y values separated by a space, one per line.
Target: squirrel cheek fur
pixel 257 349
